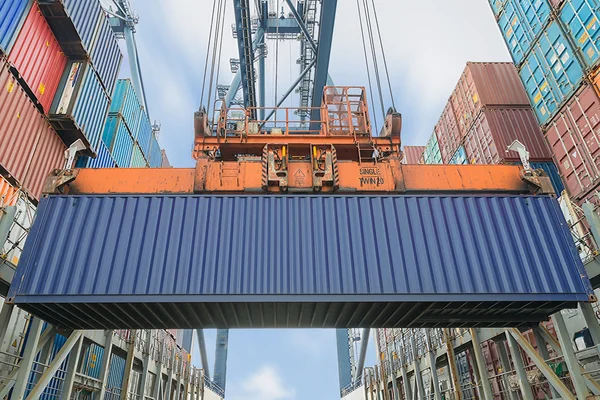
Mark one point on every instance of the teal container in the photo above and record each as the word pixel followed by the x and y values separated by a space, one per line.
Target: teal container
pixel 460 157
pixel 118 140
pixel 432 154
pixel 580 18
pixel 155 158
pixel 126 103
pixel 91 364
pixel 137 159
pixel 144 133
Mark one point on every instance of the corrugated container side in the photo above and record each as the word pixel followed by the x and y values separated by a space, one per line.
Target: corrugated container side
pixel 551 73
pixel 574 136
pixel 497 6
pixel 82 98
pixel 103 159
pixel 580 17
pixel 109 133
pixel 496 128
pixel 38 58
pixel 460 157
pixel 85 15
pixel 412 154
pixel 144 133
pixel 517 35
pixel 12 15
pixel 8 193
pixel 432 154
pixel 92 361
pixel 137 158
pixel 448 133
pixel 155 158
pixel 116 372
pixel 535 14
pixel 125 102
pixel 29 148
pixel 495 84
pixel 123 145
pixel 55 386
pixel 477 248
pixel 106 55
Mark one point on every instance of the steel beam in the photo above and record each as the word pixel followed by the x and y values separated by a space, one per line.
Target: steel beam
pixel 326 24
pixel 452 365
pixel 519 367
pixel 437 395
pixel 5 314
pixel 134 66
pixel 146 366
pixel 203 353
pixel 505 362
pixel 245 51
pixel 178 380
pixel 128 366
pixel 62 354
pixel 170 377
pixel 591 383
pixel 396 391
pixel 569 356
pixel 364 343
pixel 236 81
pixel 220 374
pixel 487 393
pixel 420 390
pixel 543 350
pixel 543 367
pixel 301 24
pixel 67 388
pixel 29 354
pixel 105 362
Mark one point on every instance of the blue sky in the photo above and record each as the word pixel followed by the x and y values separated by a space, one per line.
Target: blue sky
pixel 427 44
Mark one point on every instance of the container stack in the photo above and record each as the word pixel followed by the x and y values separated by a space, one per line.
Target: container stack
pixel 555 46
pixel 413 154
pixel 486 112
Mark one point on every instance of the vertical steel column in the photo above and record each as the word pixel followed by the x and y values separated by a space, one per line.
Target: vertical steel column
pixel 105 362
pixel 170 376
pixel 432 367
pixel 159 371
pixel 220 370
pixel 519 367
pixel 67 387
pixel 179 372
pixel 506 367
pixel 543 349
pixel 5 314
pixel 405 380
pixel 417 369
pixel 146 365
pixel 569 356
pixel 27 361
pixel 591 321
pixel 128 366
pixel 487 393
pixel 452 365
pixel 342 340
pixel 396 392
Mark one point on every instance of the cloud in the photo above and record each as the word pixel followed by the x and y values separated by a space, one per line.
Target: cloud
pixel 264 384
pixel 310 341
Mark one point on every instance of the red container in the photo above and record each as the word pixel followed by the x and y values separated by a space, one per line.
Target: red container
pixel 412 154
pixel 574 138
pixel 29 148
pixel 486 85
pixel 38 58
pixel 496 128
pixel 8 193
pixel 447 133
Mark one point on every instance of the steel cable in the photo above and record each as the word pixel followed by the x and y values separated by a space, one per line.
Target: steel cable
pixel 220 48
pixel 387 74
pixel 362 33
pixel 212 20
pixel 214 56
pixel 374 55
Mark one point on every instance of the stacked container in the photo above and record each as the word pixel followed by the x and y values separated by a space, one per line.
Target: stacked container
pixel 12 16
pixel 556 47
pixel 413 154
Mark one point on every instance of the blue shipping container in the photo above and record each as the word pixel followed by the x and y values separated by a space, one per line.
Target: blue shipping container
pixel 12 15
pixel 82 98
pixel 432 154
pixel 103 159
pixel 155 158
pixel 122 146
pixel 497 6
pixel 551 73
pixel 54 388
pixel 460 157
pixel 106 55
pixel 85 15
pixel 126 103
pixel 521 23
pixel 302 261
pixel 91 364
pixel 144 134
pixel 581 20
pixel 114 380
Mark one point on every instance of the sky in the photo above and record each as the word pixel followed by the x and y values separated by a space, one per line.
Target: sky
pixel 427 44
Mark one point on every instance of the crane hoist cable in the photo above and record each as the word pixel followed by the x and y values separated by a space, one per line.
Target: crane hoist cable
pixel 374 54
pixel 276 53
pixel 218 38
pixel 208 46
pixel 362 33
pixel 387 74
pixel 220 48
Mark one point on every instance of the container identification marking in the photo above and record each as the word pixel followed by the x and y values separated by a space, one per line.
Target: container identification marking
pixel 370 176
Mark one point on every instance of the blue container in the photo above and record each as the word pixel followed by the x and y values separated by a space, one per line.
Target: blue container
pixel 551 73
pixel 103 159
pixel 460 157
pixel 82 99
pixel 340 260
pixel 155 158
pixel 116 372
pixel 138 160
pixel 580 17
pixel 432 154
pixel 144 134
pixel 126 103
pixel 91 364
pixel 521 23
pixel 105 55
pixel 497 6
pixel 123 144
pixel 12 15
pixel 55 386
pixel 85 15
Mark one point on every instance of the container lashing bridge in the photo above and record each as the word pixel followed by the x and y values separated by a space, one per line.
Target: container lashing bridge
pixel 297 217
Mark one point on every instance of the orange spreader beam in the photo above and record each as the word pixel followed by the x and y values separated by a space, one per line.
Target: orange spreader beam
pixel 249 177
